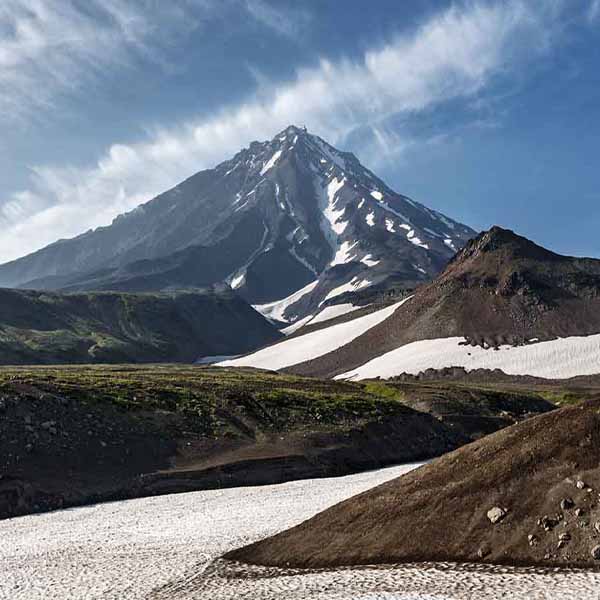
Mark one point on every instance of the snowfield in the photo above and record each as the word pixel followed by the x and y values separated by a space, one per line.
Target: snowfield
pixel 353 285
pixel 167 548
pixel 333 311
pixel 555 359
pixel 297 325
pixel 311 345
pixel 329 312
pixel 275 310
pixel 270 163
pixel 123 550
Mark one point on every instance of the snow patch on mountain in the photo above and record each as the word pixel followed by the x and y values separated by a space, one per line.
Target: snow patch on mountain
pixel 556 359
pixel 432 232
pixel 312 345
pixel 369 261
pixel 415 240
pixel 331 312
pixel 275 310
pixel 278 198
pixel 330 212
pixel 242 205
pixel 353 285
pixel 235 166
pixel 238 280
pixel 450 244
pixel 297 325
pixel 328 313
pixel 271 162
pixel 342 256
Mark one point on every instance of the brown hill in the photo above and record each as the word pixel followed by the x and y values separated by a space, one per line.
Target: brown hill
pixel 500 289
pixel 526 495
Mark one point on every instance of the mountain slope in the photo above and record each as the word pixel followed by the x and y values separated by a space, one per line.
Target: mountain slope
pixel 526 495
pixel 43 327
pixel 276 217
pixel 503 302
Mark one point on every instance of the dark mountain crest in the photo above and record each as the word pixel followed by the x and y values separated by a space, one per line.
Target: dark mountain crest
pixel 512 264
pixel 512 246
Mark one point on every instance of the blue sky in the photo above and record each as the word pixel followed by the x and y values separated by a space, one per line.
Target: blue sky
pixel 486 110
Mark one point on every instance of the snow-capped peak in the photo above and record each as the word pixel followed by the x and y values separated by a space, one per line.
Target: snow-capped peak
pixel 278 215
pixel 338 219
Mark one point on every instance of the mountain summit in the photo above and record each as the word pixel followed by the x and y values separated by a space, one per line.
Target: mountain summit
pixel 290 224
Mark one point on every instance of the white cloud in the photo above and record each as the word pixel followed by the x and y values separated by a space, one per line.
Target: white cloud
pixel 454 54
pixel 290 22
pixel 50 49
pixel 594 11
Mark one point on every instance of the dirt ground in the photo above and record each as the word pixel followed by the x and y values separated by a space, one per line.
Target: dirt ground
pixel 525 495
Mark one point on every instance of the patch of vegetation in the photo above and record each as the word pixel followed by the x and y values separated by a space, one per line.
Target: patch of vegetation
pixel 214 401
pixel 111 327
pixel 217 400
pixel 384 390
pixel 564 397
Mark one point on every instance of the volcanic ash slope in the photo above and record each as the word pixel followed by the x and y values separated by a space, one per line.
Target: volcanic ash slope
pixel 526 495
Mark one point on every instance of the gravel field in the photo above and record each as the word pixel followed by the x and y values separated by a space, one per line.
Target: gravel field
pixel 168 547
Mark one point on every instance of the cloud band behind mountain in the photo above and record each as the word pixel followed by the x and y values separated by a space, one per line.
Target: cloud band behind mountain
pixel 454 54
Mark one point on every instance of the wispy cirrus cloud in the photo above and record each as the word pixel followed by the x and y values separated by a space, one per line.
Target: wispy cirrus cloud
pixel 50 49
pixel 290 21
pixel 54 48
pixel 454 54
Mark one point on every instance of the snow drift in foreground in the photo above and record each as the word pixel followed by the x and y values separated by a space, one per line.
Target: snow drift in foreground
pixel 555 359
pixel 129 550
pixel 312 345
